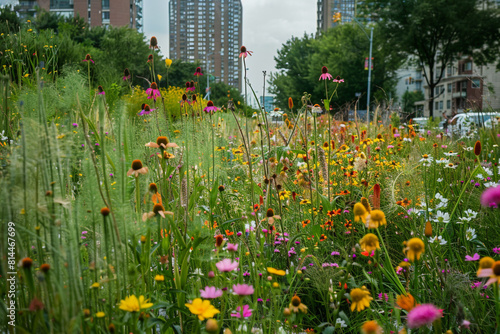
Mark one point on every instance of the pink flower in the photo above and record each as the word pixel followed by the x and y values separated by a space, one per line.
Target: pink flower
pixel 324 74
pixel 210 292
pixel 153 91
pixel 190 86
pixel 496 250
pixel 210 108
pixel 226 265
pixel 337 79
pixel 475 257
pixel 491 197
pixel 247 312
pixel 244 52
pixel 243 289
pixel 232 247
pixel 88 58
pixel 198 71
pixel 422 315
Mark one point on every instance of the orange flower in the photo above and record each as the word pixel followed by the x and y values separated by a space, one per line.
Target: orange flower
pixel 407 302
pixel 137 168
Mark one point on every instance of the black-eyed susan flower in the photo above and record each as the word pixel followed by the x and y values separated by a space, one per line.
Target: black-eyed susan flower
pixel 137 168
pixel 360 299
pixel 296 305
pixel 369 242
pixel 375 219
pixel 414 248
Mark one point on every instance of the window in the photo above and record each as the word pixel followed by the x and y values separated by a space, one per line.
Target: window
pixel 105 16
pixel 448 104
pixel 468 66
pixel 441 105
pixel 476 83
pixel 448 70
pixel 436 105
pixel 449 88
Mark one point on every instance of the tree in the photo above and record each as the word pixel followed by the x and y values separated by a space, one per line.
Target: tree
pixel 9 22
pixel 342 50
pixel 440 31
pixel 408 101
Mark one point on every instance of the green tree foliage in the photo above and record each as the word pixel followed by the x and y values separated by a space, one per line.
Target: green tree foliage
pixel 9 22
pixel 343 50
pixel 221 93
pixel 408 101
pixel 439 31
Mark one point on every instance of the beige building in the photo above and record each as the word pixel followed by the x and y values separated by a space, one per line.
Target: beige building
pixel 96 12
pixel 209 31
pixel 464 85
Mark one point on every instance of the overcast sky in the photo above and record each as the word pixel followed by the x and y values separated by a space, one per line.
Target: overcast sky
pixel 267 24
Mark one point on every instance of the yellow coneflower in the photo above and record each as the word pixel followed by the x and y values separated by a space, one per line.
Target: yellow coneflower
pixel 485 263
pixel 159 278
pixel 375 219
pixel 296 305
pixel 162 143
pixel 414 248
pixel 369 242
pixel 371 327
pixel 406 302
pixel 493 273
pixel 360 299
pixel 360 212
pixel 137 168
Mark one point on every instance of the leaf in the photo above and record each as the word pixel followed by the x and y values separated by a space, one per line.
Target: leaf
pixel 257 189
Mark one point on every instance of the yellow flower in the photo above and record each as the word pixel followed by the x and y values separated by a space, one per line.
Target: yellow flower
pixel 369 242
pixel 276 285
pixel 360 212
pixel 202 308
pixel 168 62
pixel 95 285
pixel 485 263
pixel 415 248
pixel 132 304
pixel 360 299
pixel 100 314
pixel 407 302
pixel 375 219
pixel 159 77
pixel 159 278
pixel 276 271
pixel 493 273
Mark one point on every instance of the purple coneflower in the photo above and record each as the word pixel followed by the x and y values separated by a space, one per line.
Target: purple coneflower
pixel 210 108
pixel 100 90
pixel 226 265
pixel 146 110
pixel 337 79
pixel 126 74
pixel 422 315
pixel 198 71
pixel 75 125
pixel 153 91
pixel 153 43
pixel 244 52
pixel 88 58
pixel 243 289
pixel 324 74
pixel 210 292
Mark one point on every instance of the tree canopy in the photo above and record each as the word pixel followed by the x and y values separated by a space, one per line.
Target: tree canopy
pixel 440 31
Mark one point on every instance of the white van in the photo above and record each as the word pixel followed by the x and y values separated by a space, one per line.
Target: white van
pixel 461 124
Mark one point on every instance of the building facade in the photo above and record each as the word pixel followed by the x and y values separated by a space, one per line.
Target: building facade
pixel 96 12
pixel 464 85
pixel 328 8
pixel 209 31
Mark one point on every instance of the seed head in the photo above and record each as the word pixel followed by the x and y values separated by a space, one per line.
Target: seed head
pixel 27 263
pixel 162 140
pixel 45 268
pixel 136 164
pixel 154 85
pixel 105 211
pixel 153 43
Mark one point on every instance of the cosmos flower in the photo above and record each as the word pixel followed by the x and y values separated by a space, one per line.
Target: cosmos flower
pixel 243 289
pixel 211 292
pixel 226 265
pixel 247 312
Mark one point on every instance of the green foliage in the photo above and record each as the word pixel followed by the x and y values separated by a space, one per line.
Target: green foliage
pixel 438 31
pixel 408 101
pixel 342 50
pixel 395 120
pixel 9 22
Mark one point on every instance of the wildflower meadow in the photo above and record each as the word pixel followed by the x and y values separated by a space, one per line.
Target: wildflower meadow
pixel 154 210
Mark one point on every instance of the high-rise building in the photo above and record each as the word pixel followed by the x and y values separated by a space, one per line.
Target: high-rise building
pixel 327 9
pixel 96 12
pixel 209 31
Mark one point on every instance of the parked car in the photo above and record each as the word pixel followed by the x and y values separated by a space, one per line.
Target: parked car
pixel 461 124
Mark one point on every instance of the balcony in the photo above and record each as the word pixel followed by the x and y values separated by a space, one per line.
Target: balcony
pixel 459 94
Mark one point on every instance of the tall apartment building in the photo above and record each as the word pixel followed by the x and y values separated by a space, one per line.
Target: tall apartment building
pixel 209 31
pixel 327 8
pixel 97 12
pixel 464 85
